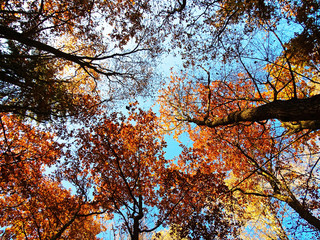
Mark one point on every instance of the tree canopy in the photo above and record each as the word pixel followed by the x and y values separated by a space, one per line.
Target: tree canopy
pixel 79 154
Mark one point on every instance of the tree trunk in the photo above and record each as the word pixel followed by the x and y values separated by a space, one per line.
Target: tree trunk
pixel 305 214
pixel 136 221
pixel 305 111
pixel 135 235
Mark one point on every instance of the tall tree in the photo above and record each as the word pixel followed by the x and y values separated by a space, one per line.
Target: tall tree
pixel 232 33
pixel 256 108
pixel 265 159
pixel 53 54
pixel 122 160
pixel 255 101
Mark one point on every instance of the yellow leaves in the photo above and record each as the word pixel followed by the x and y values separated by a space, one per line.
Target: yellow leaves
pixel 256 159
pixel 176 102
pixel 169 234
pixel 261 220
pixel 288 78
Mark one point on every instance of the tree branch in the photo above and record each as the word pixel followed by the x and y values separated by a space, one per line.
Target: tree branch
pixel 9 33
pixel 307 109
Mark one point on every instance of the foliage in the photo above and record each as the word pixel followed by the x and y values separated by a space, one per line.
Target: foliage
pixel 121 159
pixel 57 56
pixel 33 205
pixel 255 105
pixel 248 98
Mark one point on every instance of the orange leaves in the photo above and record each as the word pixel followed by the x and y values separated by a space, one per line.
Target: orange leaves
pixel 185 99
pixel 44 211
pixel 123 156
pixel 73 44
pixel 128 149
pixel 116 162
pixel 252 155
pixel 36 206
pixel 24 146
pixel 177 101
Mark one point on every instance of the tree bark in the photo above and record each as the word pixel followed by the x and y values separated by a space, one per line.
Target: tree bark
pixel 305 111
pixel 136 220
pixel 305 214
pixel 300 209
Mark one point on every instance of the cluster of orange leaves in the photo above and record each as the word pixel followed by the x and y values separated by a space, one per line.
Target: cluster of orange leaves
pixel 34 205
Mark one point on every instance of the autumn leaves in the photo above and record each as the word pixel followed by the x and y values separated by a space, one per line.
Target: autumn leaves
pixel 247 97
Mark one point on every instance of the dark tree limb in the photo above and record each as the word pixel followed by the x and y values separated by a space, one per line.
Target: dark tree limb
pixel 306 112
pixel 8 33
pixel 180 8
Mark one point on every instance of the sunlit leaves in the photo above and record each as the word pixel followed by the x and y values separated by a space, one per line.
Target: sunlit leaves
pixel 34 205
pixel 123 160
pixel 224 109
pixel 252 155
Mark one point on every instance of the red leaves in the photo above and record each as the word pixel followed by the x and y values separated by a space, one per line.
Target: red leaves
pixel 254 155
pixel 125 156
pixel 36 206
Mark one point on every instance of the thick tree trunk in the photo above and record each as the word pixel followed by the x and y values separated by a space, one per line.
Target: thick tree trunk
pixel 136 221
pixel 295 204
pixel 304 111
pixel 305 214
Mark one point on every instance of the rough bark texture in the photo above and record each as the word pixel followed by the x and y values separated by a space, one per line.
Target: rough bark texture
pixel 305 111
